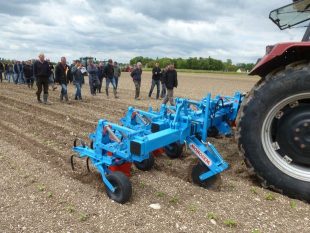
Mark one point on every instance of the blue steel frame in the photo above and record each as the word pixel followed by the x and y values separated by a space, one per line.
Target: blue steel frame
pixel 145 131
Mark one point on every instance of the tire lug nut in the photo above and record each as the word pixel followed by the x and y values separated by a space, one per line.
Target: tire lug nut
pixel 302 146
pixel 306 124
pixel 297 130
pixel 279 114
pixel 296 138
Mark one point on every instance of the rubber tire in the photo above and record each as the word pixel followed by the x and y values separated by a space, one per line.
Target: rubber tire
pixel 175 152
pixel 210 183
pixel 292 79
pixel 146 164
pixel 123 186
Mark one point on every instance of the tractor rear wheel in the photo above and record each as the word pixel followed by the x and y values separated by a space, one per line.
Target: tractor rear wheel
pixel 274 131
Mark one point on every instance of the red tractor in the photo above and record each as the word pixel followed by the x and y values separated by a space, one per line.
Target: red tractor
pixel 127 69
pixel 274 119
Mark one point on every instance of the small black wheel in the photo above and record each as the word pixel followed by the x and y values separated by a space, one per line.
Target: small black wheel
pixel 213 132
pixel 211 183
pixel 174 150
pixel 122 185
pixel 146 164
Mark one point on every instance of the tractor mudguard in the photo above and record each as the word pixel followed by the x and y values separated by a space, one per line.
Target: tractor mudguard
pixel 281 55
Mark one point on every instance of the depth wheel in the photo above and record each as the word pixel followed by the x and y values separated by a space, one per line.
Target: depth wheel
pixel 213 182
pixel 146 164
pixel 174 150
pixel 122 185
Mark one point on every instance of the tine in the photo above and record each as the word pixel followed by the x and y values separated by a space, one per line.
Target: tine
pixel 87 164
pixel 72 164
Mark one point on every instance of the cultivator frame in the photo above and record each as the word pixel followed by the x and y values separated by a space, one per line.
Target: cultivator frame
pixel 188 124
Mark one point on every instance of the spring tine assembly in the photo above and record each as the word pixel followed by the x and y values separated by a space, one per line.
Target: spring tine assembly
pixel 82 143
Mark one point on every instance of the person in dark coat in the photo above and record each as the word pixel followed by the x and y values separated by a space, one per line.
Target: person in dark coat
pixel 171 82
pixel 156 73
pixel 100 75
pixel 109 74
pixel 1 70
pixel 41 71
pixel 78 79
pixel 21 74
pixel 117 73
pixel 136 74
pixel 28 73
pixel 17 71
pixel 69 74
pixel 9 72
pixel 6 71
pixel 93 77
pixel 51 77
pixel 61 70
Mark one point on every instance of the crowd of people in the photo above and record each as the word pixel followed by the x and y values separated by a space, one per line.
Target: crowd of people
pixel 46 75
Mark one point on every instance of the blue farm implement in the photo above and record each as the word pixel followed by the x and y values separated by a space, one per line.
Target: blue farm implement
pixel 185 125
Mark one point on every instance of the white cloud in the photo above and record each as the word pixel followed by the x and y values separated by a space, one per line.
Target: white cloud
pixel 222 29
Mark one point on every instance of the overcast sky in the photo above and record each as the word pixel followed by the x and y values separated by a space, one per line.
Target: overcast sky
pixel 222 29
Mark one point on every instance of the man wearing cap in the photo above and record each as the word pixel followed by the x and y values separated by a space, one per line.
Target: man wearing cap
pixel 41 71
pixel 136 77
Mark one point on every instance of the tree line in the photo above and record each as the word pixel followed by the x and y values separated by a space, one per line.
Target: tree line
pixel 194 63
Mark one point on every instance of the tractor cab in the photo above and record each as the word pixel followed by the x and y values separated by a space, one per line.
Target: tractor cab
pixel 291 15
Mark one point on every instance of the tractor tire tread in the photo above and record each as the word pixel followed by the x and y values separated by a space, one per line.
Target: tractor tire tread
pixel 251 96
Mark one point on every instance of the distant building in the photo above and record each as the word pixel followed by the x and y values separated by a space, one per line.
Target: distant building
pixel 241 70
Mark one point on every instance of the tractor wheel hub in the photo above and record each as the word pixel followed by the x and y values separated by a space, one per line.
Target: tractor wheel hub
pixel 293 134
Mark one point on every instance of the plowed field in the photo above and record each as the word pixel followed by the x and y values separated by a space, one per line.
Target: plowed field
pixel 40 193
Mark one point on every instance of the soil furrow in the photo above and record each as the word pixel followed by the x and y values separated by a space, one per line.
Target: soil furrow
pixel 64 123
pixel 56 158
pixel 71 109
pixel 47 109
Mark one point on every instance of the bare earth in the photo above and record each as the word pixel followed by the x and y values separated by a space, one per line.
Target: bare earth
pixel 40 193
